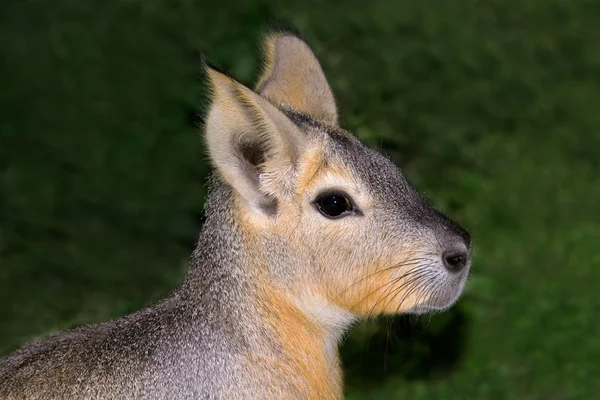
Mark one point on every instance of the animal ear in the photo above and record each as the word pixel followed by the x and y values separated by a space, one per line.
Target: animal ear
pixel 253 145
pixel 293 76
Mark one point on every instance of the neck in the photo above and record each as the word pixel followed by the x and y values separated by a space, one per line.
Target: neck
pixel 291 335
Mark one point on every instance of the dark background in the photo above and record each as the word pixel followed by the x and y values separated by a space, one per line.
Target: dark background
pixel 492 107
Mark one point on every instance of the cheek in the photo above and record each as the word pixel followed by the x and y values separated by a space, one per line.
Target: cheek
pixel 358 266
pixel 369 273
pixel 339 254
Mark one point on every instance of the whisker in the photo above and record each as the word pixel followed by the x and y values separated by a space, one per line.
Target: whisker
pixel 395 291
pixel 410 284
pixel 435 292
pixel 414 261
pixel 413 270
pixel 439 291
pixel 421 286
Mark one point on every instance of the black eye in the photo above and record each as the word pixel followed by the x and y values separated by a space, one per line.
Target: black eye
pixel 334 205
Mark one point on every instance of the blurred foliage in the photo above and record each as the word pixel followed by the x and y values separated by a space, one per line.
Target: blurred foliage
pixel 490 106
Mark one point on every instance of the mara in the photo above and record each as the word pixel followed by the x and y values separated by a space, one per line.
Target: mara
pixel 306 231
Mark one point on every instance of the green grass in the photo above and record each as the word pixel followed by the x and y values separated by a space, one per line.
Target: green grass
pixel 491 107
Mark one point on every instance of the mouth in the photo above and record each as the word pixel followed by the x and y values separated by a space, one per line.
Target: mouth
pixel 446 290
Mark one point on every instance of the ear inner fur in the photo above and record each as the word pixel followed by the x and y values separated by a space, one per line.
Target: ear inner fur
pixel 239 120
pixel 293 77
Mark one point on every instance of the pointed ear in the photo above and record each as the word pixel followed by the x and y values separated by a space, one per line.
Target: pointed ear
pixel 253 145
pixel 292 75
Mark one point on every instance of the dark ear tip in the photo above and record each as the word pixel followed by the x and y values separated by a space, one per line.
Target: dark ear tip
pixel 281 27
pixel 203 59
pixel 207 64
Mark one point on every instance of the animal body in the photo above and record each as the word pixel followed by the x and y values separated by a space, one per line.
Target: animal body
pixel 306 231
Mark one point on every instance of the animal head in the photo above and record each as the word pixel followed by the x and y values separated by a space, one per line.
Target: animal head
pixel 329 219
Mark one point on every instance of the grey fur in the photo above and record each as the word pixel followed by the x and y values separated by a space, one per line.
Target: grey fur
pixel 385 180
pixel 188 345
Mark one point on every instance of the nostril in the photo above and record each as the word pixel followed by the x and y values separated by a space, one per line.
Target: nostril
pixel 454 260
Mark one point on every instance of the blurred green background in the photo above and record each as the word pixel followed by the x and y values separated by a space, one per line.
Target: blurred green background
pixel 492 107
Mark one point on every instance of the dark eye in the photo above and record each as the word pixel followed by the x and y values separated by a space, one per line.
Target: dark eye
pixel 334 205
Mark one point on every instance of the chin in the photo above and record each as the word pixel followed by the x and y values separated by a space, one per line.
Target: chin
pixel 423 309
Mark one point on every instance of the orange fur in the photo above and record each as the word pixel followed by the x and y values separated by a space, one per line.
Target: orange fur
pixel 381 288
pixel 313 372
pixel 312 165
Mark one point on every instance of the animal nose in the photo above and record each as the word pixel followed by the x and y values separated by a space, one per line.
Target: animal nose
pixel 455 260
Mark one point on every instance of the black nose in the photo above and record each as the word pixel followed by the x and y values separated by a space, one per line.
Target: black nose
pixel 455 260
